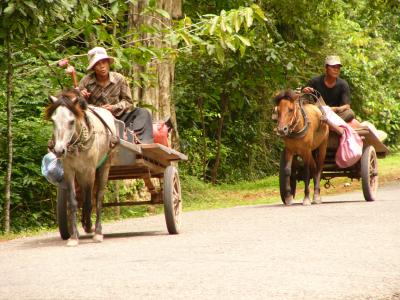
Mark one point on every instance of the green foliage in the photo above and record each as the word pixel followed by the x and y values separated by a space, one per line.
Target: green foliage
pixel 286 51
pixel 33 198
pixel 370 58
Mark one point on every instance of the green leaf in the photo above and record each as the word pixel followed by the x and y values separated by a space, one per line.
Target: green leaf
pixel 30 4
pixel 196 39
pixel 115 8
pixel 242 49
pixel 22 11
pixel 230 46
pixel 210 49
pixel 236 20
pixel 40 18
pixel 249 17
pixel 244 40
pixel 214 25
pixel 259 12
pixel 163 13
pixel 222 22
pixel 220 53
pixel 10 9
pixel 186 38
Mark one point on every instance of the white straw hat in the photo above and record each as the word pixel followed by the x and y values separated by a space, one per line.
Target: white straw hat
pixel 95 55
pixel 332 60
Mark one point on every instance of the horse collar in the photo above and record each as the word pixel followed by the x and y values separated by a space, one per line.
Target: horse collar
pixel 85 138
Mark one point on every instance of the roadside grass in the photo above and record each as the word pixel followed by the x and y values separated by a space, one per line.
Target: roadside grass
pixel 198 195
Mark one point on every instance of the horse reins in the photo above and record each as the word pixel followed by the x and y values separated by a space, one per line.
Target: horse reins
pixel 303 131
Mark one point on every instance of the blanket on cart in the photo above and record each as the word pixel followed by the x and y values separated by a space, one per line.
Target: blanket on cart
pixel 350 145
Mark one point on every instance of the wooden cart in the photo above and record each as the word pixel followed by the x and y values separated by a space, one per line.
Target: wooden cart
pixel 141 161
pixel 365 169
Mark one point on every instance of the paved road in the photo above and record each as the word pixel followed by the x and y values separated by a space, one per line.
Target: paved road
pixel 345 248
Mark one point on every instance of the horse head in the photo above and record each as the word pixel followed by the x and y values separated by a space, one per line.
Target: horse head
pixel 286 110
pixel 65 111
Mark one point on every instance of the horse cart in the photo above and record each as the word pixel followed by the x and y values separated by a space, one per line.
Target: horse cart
pixel 154 163
pixel 366 168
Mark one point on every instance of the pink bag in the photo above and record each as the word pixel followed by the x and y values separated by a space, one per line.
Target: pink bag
pixel 350 148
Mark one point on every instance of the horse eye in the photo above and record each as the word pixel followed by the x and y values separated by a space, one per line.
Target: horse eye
pixel 71 123
pixel 291 110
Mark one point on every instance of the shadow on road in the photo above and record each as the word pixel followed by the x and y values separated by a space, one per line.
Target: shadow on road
pixel 300 204
pixel 56 241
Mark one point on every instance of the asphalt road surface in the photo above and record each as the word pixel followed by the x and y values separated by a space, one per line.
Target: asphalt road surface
pixel 344 248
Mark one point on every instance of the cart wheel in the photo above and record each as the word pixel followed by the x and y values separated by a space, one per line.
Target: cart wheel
pixel 172 200
pixel 282 177
pixel 369 173
pixel 62 213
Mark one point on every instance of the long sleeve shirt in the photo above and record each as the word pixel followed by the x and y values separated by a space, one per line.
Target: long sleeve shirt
pixel 117 92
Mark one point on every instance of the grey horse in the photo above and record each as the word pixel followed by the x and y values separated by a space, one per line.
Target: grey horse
pixel 83 138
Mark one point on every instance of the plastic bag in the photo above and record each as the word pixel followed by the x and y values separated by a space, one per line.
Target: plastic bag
pixel 350 148
pixel 52 168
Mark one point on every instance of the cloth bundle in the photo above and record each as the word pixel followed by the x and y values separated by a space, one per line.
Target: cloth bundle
pixel 350 145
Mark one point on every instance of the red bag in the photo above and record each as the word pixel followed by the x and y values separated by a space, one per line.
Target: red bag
pixel 350 148
pixel 160 133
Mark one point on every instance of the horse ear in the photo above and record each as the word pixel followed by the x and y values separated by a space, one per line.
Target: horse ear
pixel 52 99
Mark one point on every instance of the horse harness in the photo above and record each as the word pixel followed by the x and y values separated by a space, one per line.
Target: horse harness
pixel 85 138
pixel 299 103
pixel 302 132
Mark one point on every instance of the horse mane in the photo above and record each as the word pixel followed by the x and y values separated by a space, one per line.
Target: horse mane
pixel 287 94
pixel 77 107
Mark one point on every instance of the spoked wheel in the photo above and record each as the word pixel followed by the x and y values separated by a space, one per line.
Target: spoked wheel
pixel 62 213
pixel 369 173
pixel 172 200
pixel 282 177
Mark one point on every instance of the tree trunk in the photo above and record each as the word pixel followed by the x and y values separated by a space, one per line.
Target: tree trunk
pixel 157 95
pixel 9 82
pixel 224 108
pixel 204 133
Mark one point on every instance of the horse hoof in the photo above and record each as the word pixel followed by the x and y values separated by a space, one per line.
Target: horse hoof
pixel 306 202
pixel 317 200
pixel 72 243
pixel 289 201
pixel 98 238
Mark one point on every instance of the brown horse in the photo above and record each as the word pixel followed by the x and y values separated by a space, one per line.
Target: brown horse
pixel 83 138
pixel 305 135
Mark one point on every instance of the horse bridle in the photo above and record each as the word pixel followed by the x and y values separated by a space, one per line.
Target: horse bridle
pixel 78 143
pixel 295 121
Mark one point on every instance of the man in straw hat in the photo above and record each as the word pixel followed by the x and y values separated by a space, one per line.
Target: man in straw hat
pixel 110 90
pixel 101 87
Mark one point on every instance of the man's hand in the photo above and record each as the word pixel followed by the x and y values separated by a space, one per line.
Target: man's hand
pixel 308 90
pixel 339 109
pixel 85 94
pixel 108 107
